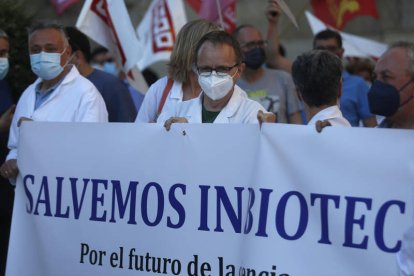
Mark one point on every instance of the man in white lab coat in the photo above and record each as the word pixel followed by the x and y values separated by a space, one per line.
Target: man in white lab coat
pixel 218 64
pixel 60 94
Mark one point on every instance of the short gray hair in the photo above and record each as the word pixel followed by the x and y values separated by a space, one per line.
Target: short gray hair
pixel 49 24
pixel 317 75
pixel 409 46
pixel 4 35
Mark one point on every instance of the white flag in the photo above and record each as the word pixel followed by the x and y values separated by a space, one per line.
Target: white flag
pixel 355 46
pixel 107 22
pixel 158 30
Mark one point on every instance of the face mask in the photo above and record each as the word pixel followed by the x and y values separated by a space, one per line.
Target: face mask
pixel 110 68
pixel 46 65
pixel 254 58
pixel 4 67
pixel 384 99
pixel 216 87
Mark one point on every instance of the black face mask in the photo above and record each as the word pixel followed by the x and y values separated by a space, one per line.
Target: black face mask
pixel 384 99
pixel 254 58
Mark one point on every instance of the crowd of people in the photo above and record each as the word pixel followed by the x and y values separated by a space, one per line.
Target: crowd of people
pixel 213 77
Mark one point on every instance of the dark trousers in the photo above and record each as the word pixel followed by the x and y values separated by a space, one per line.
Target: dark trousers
pixel 6 207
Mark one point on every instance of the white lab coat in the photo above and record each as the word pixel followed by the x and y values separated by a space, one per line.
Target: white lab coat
pixel 74 100
pixel 149 108
pixel 239 109
pixel 332 114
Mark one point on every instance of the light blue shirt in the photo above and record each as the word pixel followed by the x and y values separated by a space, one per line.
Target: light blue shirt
pixel 42 96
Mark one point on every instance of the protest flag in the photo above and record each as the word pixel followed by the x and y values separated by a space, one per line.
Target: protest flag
pixel 108 23
pixel 354 46
pixel 222 12
pixel 158 30
pixel 337 13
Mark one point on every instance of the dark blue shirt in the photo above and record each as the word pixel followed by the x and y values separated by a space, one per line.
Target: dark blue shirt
pixel 6 99
pixel 116 95
pixel 137 96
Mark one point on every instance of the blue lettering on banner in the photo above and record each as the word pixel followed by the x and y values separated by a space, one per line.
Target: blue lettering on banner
pixel 204 208
pixel 77 206
pixel 29 205
pixel 43 198
pixel 178 207
pixel 223 200
pixel 324 199
pixel 130 197
pixel 380 224
pixel 303 216
pixel 144 204
pixel 264 207
pixel 350 221
pixel 98 199
pixel 116 202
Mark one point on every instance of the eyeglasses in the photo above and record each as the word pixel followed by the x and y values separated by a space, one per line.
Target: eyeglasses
pixel 221 71
pixel 254 44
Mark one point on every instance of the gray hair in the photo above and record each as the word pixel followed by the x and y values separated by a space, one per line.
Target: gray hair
pixel 4 35
pixel 409 46
pixel 317 75
pixel 49 24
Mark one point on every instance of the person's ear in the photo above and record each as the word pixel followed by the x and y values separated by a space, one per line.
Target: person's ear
pixel 341 53
pixel 241 67
pixel 69 51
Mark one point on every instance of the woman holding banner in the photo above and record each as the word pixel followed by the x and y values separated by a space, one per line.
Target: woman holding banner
pixel 181 84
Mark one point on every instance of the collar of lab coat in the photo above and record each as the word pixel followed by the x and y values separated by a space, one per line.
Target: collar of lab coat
pixel 70 76
pixel 176 91
pixel 231 107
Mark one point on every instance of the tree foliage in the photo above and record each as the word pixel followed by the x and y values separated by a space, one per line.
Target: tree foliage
pixel 15 21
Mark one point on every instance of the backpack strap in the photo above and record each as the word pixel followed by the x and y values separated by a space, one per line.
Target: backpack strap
pixel 165 94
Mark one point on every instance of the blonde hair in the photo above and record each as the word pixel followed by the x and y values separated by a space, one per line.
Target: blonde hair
pixel 183 53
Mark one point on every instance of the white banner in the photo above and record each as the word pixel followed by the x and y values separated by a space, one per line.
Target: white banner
pixel 158 30
pixel 107 22
pixel 134 199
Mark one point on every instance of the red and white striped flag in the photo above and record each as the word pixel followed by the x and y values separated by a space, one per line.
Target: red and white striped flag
pixel 108 23
pixel 158 30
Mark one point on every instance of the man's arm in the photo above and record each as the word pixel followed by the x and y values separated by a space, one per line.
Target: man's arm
pixel 92 107
pixel 6 119
pixel 274 59
pixel 9 169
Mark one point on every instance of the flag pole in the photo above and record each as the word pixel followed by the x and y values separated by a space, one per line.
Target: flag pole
pixel 219 13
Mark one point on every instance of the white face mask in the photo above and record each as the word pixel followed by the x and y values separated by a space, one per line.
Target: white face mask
pixel 46 65
pixel 4 67
pixel 216 87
